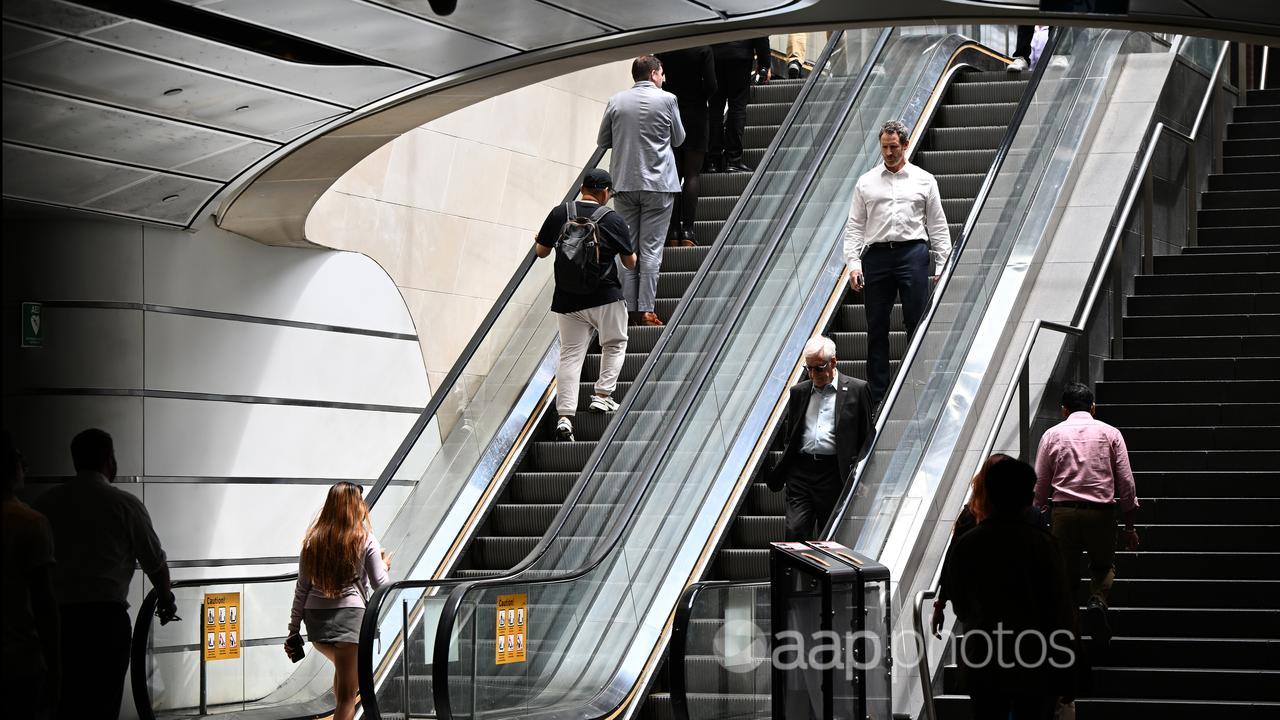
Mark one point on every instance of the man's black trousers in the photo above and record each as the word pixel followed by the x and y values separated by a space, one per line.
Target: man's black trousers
pixel 813 487
pixel 733 86
pixel 95 656
pixel 891 269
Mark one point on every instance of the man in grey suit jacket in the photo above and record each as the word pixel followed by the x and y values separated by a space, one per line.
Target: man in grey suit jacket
pixel 825 426
pixel 642 124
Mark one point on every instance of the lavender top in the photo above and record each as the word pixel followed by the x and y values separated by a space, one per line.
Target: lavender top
pixel 373 571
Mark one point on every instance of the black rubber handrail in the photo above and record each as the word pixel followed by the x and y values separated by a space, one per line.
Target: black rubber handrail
pixel 935 301
pixel 680 638
pixel 146 613
pixel 452 604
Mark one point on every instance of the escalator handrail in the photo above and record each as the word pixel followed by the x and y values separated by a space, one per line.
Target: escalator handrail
pixel 1079 325
pixel 369 629
pixel 146 613
pixel 449 612
pixel 944 279
pixel 679 638
pixel 468 352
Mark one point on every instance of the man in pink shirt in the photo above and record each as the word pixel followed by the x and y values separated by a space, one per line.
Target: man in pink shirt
pixel 1083 468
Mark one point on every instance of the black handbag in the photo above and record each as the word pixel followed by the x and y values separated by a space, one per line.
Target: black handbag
pixel 293 647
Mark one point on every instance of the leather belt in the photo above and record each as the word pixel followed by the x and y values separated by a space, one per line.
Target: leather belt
pixel 1083 504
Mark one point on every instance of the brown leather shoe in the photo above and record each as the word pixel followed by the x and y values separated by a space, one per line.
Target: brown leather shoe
pixel 648 318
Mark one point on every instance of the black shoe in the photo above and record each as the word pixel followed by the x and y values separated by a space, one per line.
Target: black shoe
pixel 793 69
pixel 1096 612
pixel 737 166
pixel 713 165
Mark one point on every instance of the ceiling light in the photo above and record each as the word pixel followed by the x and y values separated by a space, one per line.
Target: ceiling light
pixel 169 198
pixel 173 91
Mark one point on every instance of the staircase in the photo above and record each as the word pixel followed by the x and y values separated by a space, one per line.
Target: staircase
pixel 1194 619
pixel 1197 396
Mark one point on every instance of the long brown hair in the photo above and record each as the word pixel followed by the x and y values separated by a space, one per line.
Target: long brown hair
pixel 333 548
pixel 978 503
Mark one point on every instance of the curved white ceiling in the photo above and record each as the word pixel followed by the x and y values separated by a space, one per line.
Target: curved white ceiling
pixel 264 103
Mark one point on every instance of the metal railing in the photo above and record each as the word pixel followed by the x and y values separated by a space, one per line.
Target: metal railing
pixel 1108 268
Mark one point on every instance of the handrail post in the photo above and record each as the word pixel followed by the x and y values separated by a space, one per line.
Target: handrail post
pixel 1117 303
pixel 1024 412
pixel 404 654
pixel 204 675
pixel 1148 220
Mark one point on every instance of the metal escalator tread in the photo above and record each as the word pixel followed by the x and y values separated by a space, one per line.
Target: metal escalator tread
pixel 548 468
pixel 958 148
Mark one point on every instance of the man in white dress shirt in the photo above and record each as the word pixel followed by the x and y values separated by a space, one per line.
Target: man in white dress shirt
pixel 895 224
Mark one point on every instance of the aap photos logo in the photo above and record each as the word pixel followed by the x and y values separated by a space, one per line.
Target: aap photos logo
pixel 741 646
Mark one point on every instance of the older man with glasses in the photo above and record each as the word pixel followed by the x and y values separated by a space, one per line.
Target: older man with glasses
pixel 825 425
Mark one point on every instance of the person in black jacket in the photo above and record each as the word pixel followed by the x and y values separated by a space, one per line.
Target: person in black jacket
pixel 691 77
pixel 733 86
pixel 825 426
pixel 1009 585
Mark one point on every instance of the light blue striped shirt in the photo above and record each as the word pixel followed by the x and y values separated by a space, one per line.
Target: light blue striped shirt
pixel 820 419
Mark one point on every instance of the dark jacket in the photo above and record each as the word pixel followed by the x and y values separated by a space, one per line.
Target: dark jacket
pixel 744 50
pixel 1008 575
pixel 853 426
pixel 691 74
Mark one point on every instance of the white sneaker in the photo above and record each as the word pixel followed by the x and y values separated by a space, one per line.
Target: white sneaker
pixel 1018 65
pixel 602 404
pixel 1059 62
pixel 564 429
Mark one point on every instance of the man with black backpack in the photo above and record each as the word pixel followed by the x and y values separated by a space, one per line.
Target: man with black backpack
pixel 587 236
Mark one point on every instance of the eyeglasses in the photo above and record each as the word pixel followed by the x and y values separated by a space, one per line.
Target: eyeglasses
pixel 818 368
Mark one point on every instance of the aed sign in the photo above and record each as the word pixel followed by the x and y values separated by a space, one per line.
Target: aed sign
pixel 32 325
pixel 512 625
pixel 220 626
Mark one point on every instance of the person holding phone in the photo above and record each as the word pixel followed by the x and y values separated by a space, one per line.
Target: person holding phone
pixel 340 559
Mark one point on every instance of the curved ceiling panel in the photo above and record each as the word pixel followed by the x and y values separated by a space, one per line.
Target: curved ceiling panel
pixel 154 110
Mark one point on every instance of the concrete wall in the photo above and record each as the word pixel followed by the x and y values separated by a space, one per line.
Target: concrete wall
pixel 450 209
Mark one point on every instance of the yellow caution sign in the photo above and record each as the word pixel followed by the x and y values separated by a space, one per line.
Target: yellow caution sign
pixel 512 628
pixel 220 626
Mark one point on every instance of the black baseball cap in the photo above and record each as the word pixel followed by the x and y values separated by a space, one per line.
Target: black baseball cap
pixel 597 179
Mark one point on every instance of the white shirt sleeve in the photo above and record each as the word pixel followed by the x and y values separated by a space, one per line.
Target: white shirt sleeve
pixel 855 230
pixel 935 221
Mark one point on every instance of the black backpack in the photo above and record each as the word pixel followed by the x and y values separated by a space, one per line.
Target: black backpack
pixel 579 268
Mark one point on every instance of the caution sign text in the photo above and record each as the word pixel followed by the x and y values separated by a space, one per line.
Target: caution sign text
pixel 512 628
pixel 220 626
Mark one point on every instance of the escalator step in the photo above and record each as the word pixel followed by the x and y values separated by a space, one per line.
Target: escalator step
pixel 964 185
pixel 976 115
pixel 541 487
pixel 781 91
pixel 854 344
pixel 955 162
pixel 982 137
pixel 965 92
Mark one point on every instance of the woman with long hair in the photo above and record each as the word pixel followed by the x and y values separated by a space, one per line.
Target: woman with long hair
pixel 973 512
pixel 340 559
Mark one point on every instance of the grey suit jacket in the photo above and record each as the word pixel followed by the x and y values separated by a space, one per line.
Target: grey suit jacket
pixel 642 124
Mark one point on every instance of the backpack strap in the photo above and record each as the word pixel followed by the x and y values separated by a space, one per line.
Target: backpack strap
pixel 570 211
pixel 600 212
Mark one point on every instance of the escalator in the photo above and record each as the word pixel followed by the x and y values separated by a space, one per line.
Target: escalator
pixel 720 660
pixel 958 145
pixel 548 468
pixel 603 587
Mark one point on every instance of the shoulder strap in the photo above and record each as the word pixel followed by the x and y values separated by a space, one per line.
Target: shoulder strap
pixel 600 212
pixel 570 210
